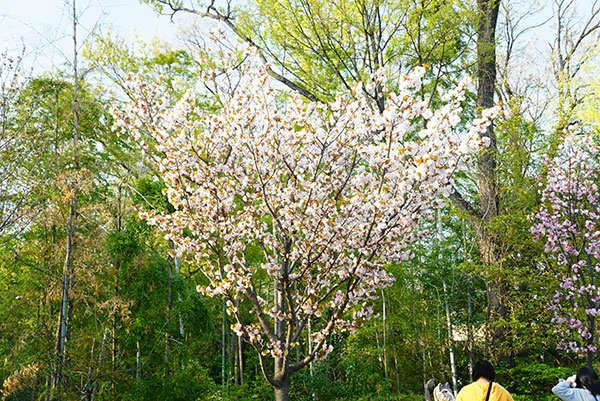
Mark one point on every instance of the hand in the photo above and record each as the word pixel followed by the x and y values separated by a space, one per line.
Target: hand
pixel 571 380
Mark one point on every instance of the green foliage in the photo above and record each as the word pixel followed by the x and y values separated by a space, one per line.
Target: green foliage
pixel 149 194
pixel 192 383
pixel 589 112
pixel 532 378
pixel 343 375
pixel 256 389
pixel 156 61
pixel 326 47
pixel 124 244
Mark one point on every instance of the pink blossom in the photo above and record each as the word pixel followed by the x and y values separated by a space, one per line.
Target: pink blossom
pixel 569 224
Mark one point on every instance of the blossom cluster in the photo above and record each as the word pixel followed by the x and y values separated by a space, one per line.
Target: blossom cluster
pixel 329 194
pixel 568 223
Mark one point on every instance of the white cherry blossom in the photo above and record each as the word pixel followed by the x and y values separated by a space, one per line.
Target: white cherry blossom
pixel 328 194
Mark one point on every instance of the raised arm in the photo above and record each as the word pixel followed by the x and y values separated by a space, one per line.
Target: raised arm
pixel 565 392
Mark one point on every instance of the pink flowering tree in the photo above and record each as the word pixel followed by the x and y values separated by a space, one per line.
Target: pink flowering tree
pixel 328 194
pixel 569 225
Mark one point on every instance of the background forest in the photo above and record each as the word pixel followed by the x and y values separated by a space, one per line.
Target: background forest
pixel 97 304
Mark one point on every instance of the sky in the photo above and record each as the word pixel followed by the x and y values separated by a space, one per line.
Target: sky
pixel 44 27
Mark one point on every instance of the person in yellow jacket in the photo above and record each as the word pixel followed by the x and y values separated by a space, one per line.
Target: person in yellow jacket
pixel 483 387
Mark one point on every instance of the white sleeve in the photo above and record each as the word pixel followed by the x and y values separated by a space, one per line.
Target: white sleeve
pixel 565 392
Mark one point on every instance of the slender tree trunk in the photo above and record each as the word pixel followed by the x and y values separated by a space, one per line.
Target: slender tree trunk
pixel 138 362
pixel 447 310
pixel 63 331
pixel 88 385
pixel 100 360
pixel 379 358
pixel 470 328
pixel 385 356
pixel 394 347
pixel 179 317
pixel 240 358
pixel 117 266
pixel 181 324
pixel 278 365
pixel 231 356
pixel 236 361
pixel 39 308
pixel 451 340
pixel 590 355
pixel 169 308
pixel 438 317
pixel 310 350
pixel 223 348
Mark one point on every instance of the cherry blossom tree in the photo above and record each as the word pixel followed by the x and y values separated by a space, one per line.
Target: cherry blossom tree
pixel 328 194
pixel 569 224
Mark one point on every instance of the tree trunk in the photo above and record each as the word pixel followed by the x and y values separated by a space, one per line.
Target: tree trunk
pixel 590 355
pixel 231 356
pixel 236 362
pixel 223 346
pixel 138 363
pixel 117 265
pixel 62 326
pixel 385 356
pixel 487 178
pixel 309 342
pixel 87 391
pixel 241 360
pixel 379 358
pixel 169 308
pixel 470 328
pixel 100 360
pixel 63 330
pixel 451 340
pixel 282 393
pixel 394 347
pixel 181 324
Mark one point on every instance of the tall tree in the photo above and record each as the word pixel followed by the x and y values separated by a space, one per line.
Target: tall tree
pixel 487 182
pixel 309 48
pixel 64 321
pixel 255 177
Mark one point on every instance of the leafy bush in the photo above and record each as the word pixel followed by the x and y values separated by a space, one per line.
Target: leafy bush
pixel 253 390
pixel 191 384
pixel 532 380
